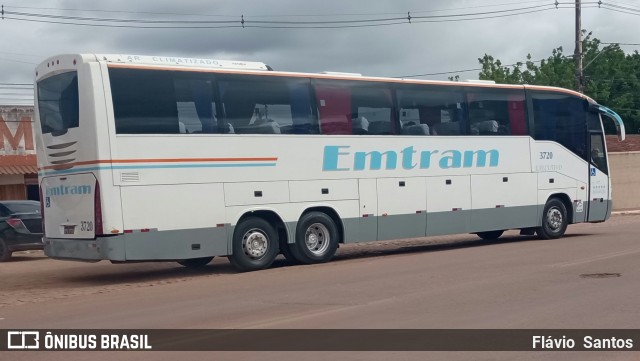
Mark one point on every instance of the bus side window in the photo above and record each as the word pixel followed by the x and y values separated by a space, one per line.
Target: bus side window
pixel 196 106
pixel 597 154
pixel 264 105
pixel 334 107
pixel 373 106
pixel 517 114
pixel 497 112
pixel 144 101
pixel 354 108
pixel 431 110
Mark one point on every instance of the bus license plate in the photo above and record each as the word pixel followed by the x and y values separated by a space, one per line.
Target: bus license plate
pixel 69 229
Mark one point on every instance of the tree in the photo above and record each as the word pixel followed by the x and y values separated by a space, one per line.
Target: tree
pixel 612 78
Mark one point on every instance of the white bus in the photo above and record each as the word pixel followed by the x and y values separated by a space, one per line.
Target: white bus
pixel 147 158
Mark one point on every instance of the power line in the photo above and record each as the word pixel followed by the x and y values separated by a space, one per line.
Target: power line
pixel 246 22
pixel 484 6
pixel 628 8
pixel 621 9
pixel 468 70
pixel 121 26
pixel 634 44
pixel 18 61
pixel 173 14
pixel 21 54
pixel 438 73
pixel 388 24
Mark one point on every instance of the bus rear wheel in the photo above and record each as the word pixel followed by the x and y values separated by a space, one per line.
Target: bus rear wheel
pixel 195 262
pixel 490 235
pixel 554 220
pixel 255 245
pixel 317 238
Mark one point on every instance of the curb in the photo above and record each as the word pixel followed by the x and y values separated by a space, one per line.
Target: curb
pixel 629 212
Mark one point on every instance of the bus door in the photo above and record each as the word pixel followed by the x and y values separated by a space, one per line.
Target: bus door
pixel 599 182
pixel 598 178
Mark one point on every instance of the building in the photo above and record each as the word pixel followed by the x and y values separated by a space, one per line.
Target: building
pixel 18 165
pixel 631 144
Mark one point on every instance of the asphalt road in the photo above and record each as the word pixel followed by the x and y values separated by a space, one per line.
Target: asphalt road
pixel 443 282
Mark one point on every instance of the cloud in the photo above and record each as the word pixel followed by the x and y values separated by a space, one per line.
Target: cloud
pixel 403 49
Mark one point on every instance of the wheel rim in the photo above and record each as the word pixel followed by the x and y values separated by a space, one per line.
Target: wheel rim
pixel 317 239
pixel 554 219
pixel 255 243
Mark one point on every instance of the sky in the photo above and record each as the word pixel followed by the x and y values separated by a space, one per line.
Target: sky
pixel 517 28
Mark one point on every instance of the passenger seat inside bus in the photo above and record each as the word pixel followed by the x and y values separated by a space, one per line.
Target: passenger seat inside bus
pixel 415 129
pixel 268 127
pixel 448 128
pixel 360 126
pixel 485 127
pixel 182 128
pixel 483 122
pixel 380 127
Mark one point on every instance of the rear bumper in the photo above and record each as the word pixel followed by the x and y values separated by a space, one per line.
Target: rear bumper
pixel 89 250
pixel 143 246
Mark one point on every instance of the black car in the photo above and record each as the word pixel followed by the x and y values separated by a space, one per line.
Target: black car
pixel 20 227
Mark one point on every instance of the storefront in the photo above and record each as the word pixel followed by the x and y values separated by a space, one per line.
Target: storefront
pixel 18 165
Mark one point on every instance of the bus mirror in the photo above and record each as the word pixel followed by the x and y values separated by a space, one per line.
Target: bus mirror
pixel 616 119
pixel 593 108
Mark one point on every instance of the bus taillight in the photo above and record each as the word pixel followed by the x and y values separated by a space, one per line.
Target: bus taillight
pixel 97 211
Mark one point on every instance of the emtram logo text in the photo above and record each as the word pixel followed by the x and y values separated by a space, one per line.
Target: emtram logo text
pixel 340 158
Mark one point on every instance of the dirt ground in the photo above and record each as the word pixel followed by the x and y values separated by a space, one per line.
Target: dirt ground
pixel 31 277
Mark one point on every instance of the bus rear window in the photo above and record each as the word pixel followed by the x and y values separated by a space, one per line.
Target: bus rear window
pixel 58 103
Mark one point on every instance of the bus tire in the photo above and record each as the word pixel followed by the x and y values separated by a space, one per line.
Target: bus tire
pixel 5 254
pixel 490 235
pixel 554 220
pixel 195 262
pixel 255 245
pixel 317 238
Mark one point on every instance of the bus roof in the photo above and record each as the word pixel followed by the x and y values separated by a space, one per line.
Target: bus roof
pixel 70 61
pixel 205 64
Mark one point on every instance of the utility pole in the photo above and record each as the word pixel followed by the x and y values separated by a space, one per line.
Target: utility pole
pixel 578 52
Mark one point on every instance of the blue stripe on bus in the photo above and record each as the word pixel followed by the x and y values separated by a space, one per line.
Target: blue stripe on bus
pixel 163 166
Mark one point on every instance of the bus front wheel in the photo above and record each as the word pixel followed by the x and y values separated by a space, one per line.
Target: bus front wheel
pixel 316 238
pixel 554 220
pixel 255 245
